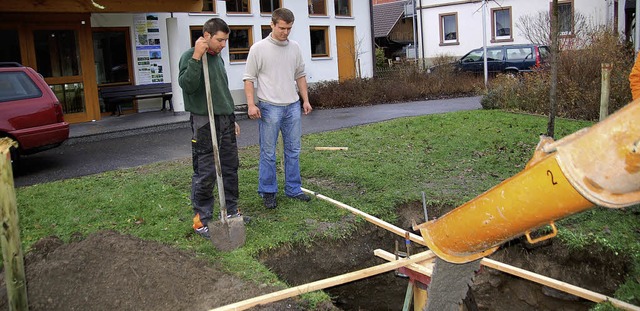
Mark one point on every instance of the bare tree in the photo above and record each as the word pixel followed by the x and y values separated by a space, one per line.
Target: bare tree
pixel 544 28
pixel 356 50
pixel 536 29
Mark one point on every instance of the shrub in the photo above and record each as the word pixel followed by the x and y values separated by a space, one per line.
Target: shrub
pixel 380 61
pixel 405 82
pixel 579 81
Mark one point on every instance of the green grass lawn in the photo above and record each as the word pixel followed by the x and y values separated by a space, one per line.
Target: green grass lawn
pixel 452 157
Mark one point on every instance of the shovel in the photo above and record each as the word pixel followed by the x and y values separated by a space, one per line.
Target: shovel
pixel 227 234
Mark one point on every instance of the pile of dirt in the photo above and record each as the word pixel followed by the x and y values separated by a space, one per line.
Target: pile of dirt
pixel 111 271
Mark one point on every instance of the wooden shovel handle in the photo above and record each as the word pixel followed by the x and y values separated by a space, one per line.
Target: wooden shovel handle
pixel 214 140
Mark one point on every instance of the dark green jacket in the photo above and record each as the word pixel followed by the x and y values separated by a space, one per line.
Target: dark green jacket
pixel 191 80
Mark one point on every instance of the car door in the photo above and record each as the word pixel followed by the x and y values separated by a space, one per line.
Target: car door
pixel 519 58
pixel 495 59
pixel 472 61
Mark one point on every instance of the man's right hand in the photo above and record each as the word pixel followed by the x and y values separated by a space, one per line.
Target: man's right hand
pixel 201 46
pixel 254 112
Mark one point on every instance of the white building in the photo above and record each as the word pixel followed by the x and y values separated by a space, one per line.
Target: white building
pixel 335 36
pixel 454 28
pixel 82 48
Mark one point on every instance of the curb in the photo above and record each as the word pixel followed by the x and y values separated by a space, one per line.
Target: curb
pixel 119 133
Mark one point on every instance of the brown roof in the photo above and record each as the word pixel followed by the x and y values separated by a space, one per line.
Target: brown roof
pixel 385 16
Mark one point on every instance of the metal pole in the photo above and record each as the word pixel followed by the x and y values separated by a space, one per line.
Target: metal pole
pixel 422 44
pixel 637 30
pixel 415 39
pixel 484 41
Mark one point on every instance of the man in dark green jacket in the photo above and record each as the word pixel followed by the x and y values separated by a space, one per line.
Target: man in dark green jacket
pixel 191 80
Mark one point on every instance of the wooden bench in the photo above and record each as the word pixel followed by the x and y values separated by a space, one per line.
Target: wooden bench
pixel 115 96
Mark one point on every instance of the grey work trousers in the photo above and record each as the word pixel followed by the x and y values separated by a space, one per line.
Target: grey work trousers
pixel 204 171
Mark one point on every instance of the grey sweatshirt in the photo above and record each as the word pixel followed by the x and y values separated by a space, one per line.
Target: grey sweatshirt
pixel 275 65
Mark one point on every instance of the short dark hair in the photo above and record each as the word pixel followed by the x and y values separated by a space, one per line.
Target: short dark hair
pixel 282 14
pixel 212 26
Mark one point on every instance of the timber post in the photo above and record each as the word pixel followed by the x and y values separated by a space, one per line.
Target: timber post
pixel 10 234
pixel 605 89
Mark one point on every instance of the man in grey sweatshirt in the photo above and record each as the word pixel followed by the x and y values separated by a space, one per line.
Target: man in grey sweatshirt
pixel 274 63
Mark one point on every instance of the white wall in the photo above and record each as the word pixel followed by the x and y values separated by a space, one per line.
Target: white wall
pixel 318 69
pixel 470 30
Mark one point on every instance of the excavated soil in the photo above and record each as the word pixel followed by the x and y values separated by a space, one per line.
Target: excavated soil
pixel 111 271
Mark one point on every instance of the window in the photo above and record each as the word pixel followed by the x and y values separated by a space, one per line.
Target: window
pixel 10 51
pixel 208 6
pixel 342 7
pixel 319 41
pixel 494 55
pixel 196 32
pixel 268 6
pixel 501 24
pixel 266 30
pixel 473 56
pixel 449 28
pixel 565 18
pixel 16 85
pixel 238 6
pixel 519 53
pixel 70 96
pixel 240 40
pixel 57 53
pixel 111 54
pixel 317 7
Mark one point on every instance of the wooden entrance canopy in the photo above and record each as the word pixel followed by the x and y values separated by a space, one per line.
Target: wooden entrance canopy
pixel 101 6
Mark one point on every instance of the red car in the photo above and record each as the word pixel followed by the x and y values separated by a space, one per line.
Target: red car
pixel 30 113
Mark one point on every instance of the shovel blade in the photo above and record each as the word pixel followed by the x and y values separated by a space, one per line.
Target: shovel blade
pixel 229 235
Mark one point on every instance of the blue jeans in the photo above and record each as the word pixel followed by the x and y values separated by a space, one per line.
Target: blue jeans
pixel 275 119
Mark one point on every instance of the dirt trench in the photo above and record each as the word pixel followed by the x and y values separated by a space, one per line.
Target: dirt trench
pixel 493 290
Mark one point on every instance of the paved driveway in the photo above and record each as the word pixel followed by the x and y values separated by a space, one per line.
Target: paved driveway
pixel 150 146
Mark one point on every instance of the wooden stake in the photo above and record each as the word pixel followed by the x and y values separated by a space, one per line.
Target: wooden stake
pixel 10 234
pixel 332 148
pixel 333 281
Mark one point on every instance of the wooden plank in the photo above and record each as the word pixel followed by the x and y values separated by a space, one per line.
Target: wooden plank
pixel 423 267
pixel 13 259
pixel 101 6
pixel 321 284
pixel 559 285
pixel 376 221
pixel 331 148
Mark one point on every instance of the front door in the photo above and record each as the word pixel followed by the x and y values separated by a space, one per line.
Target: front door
pixel 60 50
pixel 348 53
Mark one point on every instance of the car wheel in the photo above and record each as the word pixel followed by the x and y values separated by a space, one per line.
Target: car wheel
pixel 511 73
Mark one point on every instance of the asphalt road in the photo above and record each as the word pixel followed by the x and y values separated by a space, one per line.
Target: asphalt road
pixel 81 159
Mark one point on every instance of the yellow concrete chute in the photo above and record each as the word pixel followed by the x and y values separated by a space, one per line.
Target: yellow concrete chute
pixel 599 165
